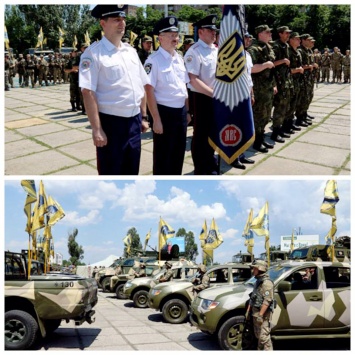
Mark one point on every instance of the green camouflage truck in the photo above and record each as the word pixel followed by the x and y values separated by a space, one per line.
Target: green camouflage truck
pixel 37 306
pixel 316 307
pixel 137 289
pixel 173 298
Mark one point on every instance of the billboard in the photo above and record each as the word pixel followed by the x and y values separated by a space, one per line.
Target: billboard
pixel 299 241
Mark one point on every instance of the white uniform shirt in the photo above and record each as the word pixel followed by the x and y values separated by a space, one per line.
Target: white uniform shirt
pixel 116 75
pixel 201 60
pixel 168 75
pixel 249 66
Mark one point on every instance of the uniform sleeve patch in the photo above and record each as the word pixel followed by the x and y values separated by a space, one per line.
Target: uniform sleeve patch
pixel 86 63
pixel 148 68
pixel 189 59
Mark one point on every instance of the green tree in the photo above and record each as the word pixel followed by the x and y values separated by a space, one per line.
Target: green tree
pixel 190 245
pixel 75 250
pixel 136 245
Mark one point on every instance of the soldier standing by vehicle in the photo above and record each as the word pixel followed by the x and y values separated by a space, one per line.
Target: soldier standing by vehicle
pixel 284 84
pixel 261 304
pixel 168 274
pixel 264 87
pixel 325 66
pixel 346 66
pixel 202 281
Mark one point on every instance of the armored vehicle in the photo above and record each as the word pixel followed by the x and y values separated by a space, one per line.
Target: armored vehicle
pixel 173 298
pixel 138 289
pixel 275 256
pixel 315 306
pixel 320 251
pixel 36 306
pixel 243 258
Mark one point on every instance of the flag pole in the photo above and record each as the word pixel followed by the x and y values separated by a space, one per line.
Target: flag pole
pixel 159 246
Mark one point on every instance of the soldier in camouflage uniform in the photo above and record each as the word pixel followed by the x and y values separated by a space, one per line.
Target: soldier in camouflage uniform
pixel 202 281
pixel 306 83
pixel 51 68
pixel 136 271
pixel 263 84
pixel 12 70
pixel 72 69
pixel 314 72
pixel 317 59
pixel 296 72
pixel 336 61
pixel 146 50
pixel 30 71
pixel 7 69
pixel 346 66
pixel 21 70
pixel 261 304
pixel 282 76
pixel 42 65
pixel 168 274
pixel 325 66
pixel 57 67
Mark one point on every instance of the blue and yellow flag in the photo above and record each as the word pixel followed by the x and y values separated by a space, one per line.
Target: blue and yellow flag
pixel 156 43
pixel 260 226
pixel 6 37
pixel 127 241
pixel 203 234
pixel 232 131
pixel 248 234
pixel 30 187
pixel 214 239
pixel 147 237
pixel 165 232
pixel 61 37
pixel 40 210
pixel 54 211
pixel 40 39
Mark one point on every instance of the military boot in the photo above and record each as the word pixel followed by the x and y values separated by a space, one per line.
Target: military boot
pixel 258 144
pixel 275 136
pixel 73 108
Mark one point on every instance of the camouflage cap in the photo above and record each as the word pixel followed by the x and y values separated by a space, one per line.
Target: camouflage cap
pixel 147 39
pixel 262 28
pixel 294 35
pixel 189 41
pixel 261 265
pixel 202 268
pixel 283 29
pixel 305 36
pixel 167 264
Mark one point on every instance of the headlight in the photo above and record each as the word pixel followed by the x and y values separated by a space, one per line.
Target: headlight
pixel 208 305
pixel 155 292
pixel 128 284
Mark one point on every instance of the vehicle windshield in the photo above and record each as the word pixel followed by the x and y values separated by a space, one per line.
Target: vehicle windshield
pixel 274 273
pixel 299 254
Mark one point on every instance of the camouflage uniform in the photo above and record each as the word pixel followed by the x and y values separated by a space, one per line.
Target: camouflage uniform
pixel 284 85
pixel 346 66
pixel 295 62
pixel 21 65
pixel 202 281
pixel 12 71
pixel 57 69
pixel 325 66
pixel 317 59
pixel 263 294
pixel 74 83
pixel 51 68
pixel 30 71
pixel 168 275
pixel 263 86
pixel 42 65
pixel 7 68
pixel 336 60
pixel 118 271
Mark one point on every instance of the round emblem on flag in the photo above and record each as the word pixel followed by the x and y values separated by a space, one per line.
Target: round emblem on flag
pixel 171 20
pixel 230 135
pixel 148 68
pixel 267 293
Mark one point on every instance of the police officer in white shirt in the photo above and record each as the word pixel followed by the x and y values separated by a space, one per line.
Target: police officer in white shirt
pixel 112 81
pixel 201 61
pixel 167 100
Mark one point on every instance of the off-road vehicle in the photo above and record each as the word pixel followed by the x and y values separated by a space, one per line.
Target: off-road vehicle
pixel 317 306
pixel 173 298
pixel 275 256
pixel 36 306
pixel 138 288
pixel 242 258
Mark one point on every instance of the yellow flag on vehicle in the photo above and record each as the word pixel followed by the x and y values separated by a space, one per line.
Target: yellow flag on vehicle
pixel 40 210
pixel 165 232
pixel 248 234
pixel 54 211
pixel 147 237
pixel 127 241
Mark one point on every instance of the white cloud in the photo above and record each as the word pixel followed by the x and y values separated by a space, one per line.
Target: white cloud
pixel 73 218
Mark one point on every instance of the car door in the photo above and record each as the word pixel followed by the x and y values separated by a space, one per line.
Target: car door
pixel 301 308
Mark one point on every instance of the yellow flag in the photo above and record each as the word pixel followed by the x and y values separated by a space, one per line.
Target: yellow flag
pixel 7 41
pixel 156 42
pixel 181 41
pixel 54 211
pixel 203 234
pixel 127 241
pixel 40 39
pixel 87 38
pixel 165 232
pixel 248 234
pixel 147 237
pixel 61 37
pixel 132 38
pixel 75 43
pixel 331 198
pixel 214 238
pixel 45 41
pixel 40 211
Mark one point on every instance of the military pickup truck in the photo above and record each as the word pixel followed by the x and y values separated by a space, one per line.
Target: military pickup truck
pixel 138 288
pixel 173 298
pixel 317 305
pixel 36 306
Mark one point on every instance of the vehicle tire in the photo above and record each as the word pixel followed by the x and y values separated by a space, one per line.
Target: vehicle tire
pixel 106 284
pixel 140 299
pixel 175 311
pixel 20 330
pixel 52 325
pixel 230 334
pixel 119 292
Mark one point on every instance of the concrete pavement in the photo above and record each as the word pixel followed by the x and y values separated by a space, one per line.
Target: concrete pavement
pixel 43 137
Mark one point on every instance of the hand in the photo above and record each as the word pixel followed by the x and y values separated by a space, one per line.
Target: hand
pixel 259 320
pixel 145 126
pixel 158 127
pixel 188 118
pixel 99 137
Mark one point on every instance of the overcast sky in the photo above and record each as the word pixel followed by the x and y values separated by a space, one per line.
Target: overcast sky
pixel 104 210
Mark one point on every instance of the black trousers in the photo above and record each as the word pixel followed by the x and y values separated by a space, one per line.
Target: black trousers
pixel 169 147
pixel 203 157
pixel 121 155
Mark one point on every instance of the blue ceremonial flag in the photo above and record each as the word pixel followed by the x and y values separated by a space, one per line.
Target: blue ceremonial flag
pixel 232 131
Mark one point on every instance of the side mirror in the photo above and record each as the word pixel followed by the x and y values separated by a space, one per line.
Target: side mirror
pixel 284 286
